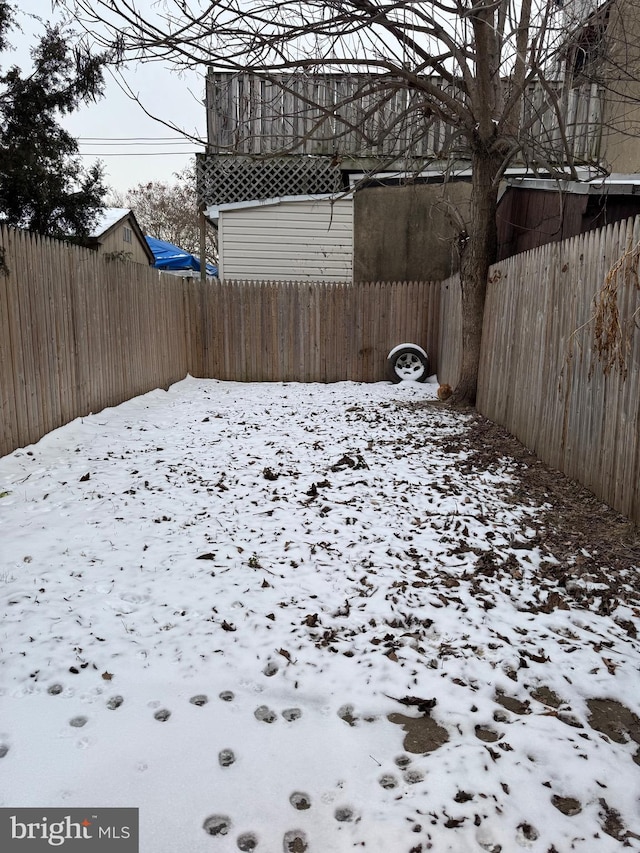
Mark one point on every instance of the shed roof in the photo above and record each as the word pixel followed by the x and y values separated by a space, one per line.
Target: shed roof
pixel 109 217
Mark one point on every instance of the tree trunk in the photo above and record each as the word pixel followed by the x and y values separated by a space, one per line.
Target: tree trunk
pixel 478 253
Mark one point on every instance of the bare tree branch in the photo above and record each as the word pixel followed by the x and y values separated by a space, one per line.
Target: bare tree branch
pixel 479 79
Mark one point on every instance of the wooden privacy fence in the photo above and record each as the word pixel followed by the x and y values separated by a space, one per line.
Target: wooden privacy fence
pixel 79 333
pixel 541 376
pixel 313 332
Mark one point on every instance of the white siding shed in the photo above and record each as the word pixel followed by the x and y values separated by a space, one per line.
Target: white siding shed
pixel 301 238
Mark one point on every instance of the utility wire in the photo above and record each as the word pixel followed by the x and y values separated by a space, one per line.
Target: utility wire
pixel 120 143
pixel 132 138
pixel 136 153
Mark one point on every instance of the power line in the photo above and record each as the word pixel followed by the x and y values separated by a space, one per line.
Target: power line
pixel 130 138
pixel 136 153
pixel 110 143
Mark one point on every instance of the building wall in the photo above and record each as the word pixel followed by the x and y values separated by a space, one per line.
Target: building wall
pixel 296 240
pixel 528 217
pixel 405 233
pixel 619 73
pixel 115 241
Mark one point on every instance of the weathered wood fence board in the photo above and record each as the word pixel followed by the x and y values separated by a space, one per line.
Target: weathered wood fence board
pixel 312 332
pixel 540 374
pixel 79 333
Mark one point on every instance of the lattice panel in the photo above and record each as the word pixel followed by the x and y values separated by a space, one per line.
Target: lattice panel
pixel 228 178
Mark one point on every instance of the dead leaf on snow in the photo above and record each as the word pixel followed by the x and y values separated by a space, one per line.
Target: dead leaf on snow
pixel 285 654
pixel 425 706
pixel 554 602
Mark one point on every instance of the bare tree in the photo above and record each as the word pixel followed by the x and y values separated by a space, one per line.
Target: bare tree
pixel 487 70
pixel 169 211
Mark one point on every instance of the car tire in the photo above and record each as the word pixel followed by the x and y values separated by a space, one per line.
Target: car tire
pixel 408 362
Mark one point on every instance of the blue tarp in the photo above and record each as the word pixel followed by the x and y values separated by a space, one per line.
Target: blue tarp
pixel 173 258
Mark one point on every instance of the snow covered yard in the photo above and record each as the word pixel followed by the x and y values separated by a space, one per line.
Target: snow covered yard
pixel 324 618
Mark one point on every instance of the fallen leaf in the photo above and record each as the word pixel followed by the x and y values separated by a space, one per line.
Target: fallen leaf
pixel 107 675
pixel 425 706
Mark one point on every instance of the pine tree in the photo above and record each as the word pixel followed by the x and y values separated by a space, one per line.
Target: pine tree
pixel 43 185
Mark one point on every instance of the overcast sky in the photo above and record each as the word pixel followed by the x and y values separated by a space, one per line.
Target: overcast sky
pixel 133 147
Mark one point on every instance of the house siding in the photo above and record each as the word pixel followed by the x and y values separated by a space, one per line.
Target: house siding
pixel 114 242
pixel 305 240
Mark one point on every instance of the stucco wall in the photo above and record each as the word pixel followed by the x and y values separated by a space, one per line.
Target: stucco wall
pixel 404 233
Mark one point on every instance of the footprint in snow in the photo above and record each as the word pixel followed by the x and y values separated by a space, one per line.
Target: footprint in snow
pixel 344 814
pixel 55 689
pixel 4 749
pixel 199 700
pixel 134 598
pixel 295 841
pixel 226 757
pixel 247 841
pixel 78 722
pixel 265 714
pixel 526 833
pixel 412 777
pixel 346 713
pixel 291 714
pixel 388 781
pixel 114 702
pixel 217 825
pixel 226 696
pixel 162 715
pixel 300 801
